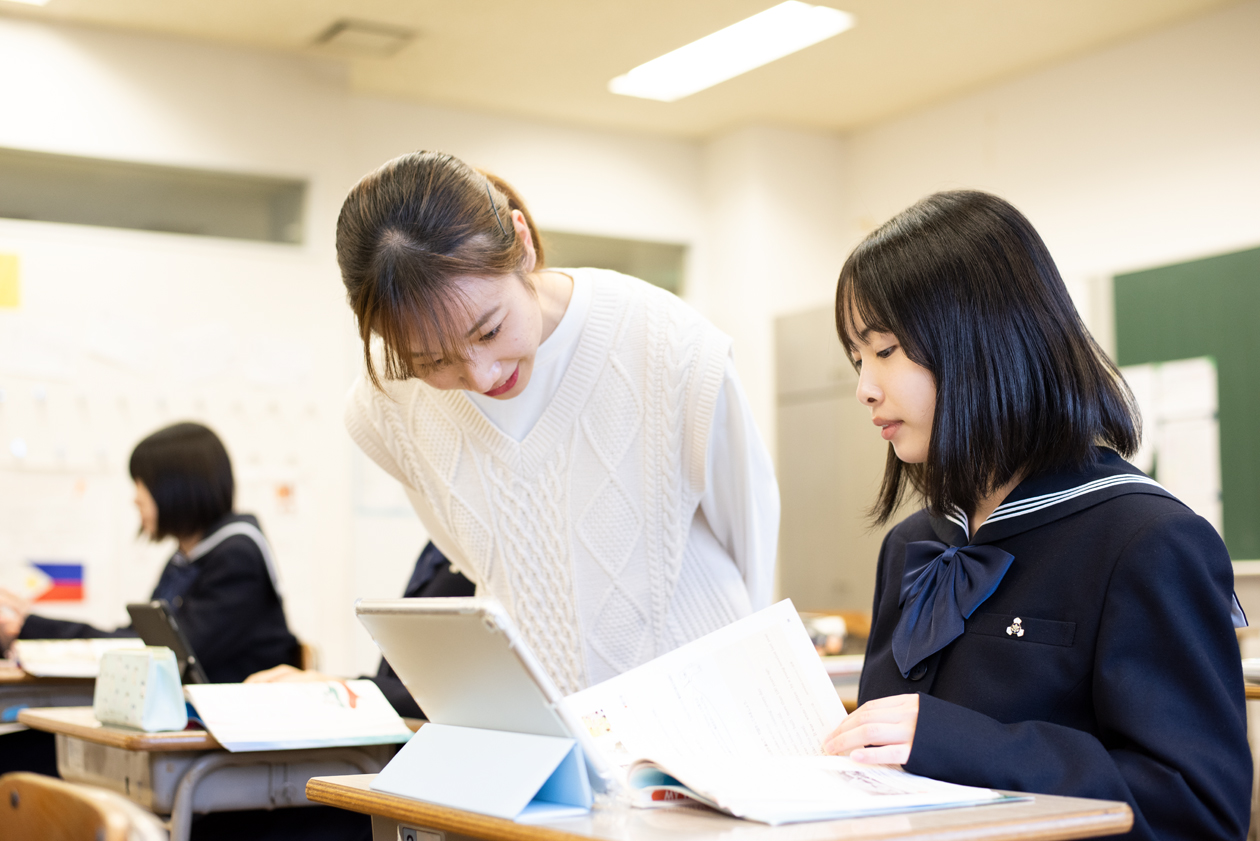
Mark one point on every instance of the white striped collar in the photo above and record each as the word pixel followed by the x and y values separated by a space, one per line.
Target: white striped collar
pixel 1007 510
pixel 1047 497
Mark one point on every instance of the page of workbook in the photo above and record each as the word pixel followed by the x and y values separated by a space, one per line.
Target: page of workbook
pixel 290 716
pixel 68 658
pixel 736 720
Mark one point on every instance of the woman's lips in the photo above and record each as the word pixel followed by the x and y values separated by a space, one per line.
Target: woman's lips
pixel 507 386
pixel 889 430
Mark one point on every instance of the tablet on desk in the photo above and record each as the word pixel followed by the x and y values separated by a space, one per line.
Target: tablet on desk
pixel 156 626
pixel 466 665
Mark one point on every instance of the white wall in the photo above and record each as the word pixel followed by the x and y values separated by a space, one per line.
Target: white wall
pixel 94 93
pixel 1143 154
pixel 773 198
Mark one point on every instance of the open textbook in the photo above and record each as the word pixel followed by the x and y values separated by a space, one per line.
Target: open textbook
pixel 736 720
pixel 68 658
pixel 290 716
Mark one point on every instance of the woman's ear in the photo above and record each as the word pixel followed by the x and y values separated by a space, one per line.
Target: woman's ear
pixel 522 231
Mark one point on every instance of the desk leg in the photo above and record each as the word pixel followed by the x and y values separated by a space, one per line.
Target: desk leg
pixel 182 809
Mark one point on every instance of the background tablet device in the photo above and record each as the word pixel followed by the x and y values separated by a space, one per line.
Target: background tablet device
pixel 156 626
pixel 464 662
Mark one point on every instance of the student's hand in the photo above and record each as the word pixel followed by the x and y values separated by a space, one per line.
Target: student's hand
pixel 13 612
pixel 886 725
pixel 288 674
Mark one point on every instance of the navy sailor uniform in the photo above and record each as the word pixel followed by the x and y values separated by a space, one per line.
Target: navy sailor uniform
pixel 1100 662
pixel 223 595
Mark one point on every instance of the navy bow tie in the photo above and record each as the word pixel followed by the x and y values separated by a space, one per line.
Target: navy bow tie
pixel 942 586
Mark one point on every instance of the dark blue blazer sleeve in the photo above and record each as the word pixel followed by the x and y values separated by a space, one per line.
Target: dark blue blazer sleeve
pixel 42 628
pixel 1167 693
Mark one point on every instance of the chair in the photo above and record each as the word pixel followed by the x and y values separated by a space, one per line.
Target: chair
pixel 308 656
pixel 38 808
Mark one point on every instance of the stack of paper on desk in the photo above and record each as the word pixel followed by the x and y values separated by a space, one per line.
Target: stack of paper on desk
pixel 1251 669
pixel 736 720
pixel 290 716
pixel 67 658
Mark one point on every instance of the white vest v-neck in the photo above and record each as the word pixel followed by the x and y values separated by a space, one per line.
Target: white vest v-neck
pixel 517 416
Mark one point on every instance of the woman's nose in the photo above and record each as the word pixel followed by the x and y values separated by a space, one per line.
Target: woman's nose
pixel 481 376
pixel 867 392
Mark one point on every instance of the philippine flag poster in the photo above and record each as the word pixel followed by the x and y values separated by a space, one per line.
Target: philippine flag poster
pixel 65 581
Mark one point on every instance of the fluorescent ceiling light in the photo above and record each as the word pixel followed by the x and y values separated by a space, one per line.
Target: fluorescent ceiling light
pixel 740 47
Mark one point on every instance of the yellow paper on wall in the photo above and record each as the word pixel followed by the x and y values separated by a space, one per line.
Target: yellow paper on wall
pixel 9 287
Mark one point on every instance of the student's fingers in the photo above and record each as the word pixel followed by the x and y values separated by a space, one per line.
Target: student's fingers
pixel 876 733
pixel 885 755
pixel 891 708
pixel 14 602
pixel 883 721
pixel 272 675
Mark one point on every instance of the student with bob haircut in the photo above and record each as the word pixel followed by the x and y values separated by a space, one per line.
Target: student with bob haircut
pixel 1053 621
pixel 220 583
pixel 575 441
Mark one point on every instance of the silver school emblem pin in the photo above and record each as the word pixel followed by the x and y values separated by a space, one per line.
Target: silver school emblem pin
pixel 1016 628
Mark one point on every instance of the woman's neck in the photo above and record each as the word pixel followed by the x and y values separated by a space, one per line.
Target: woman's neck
pixel 555 290
pixel 988 504
pixel 187 544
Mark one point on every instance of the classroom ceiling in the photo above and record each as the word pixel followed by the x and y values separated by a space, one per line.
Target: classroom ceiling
pixel 552 59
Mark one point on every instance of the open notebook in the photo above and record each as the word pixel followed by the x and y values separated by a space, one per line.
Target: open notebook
pixel 289 716
pixel 67 658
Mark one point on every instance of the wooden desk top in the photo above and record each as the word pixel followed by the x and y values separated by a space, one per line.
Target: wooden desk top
pixel 1043 818
pixel 10 675
pixel 1253 691
pixel 80 723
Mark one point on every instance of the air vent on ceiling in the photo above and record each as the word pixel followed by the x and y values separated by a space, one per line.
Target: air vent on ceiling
pixel 363 38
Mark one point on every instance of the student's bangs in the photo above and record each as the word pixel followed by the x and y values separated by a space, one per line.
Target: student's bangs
pixel 868 292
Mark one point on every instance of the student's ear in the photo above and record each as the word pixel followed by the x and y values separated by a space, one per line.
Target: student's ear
pixel 522 231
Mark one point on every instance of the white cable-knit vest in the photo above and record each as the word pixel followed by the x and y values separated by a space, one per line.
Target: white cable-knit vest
pixel 580 529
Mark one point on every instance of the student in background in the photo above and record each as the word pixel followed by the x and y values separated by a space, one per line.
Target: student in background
pixel 220 583
pixel 576 441
pixel 1053 621
pixel 431 578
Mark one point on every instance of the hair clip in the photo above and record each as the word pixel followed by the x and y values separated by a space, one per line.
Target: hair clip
pixel 490 195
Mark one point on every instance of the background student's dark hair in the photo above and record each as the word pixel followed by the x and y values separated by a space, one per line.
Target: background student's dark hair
pixel 970 291
pixel 188 474
pixel 405 233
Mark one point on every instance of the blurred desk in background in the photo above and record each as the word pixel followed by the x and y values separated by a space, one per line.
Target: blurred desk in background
pixel 181 772
pixel 18 690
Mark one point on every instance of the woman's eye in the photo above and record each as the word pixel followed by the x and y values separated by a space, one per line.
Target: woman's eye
pixel 487 337
pixel 886 352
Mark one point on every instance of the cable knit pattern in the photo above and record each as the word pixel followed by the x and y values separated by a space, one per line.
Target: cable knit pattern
pixel 581 529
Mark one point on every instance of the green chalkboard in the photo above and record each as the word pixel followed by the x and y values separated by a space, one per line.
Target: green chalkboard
pixel 1208 307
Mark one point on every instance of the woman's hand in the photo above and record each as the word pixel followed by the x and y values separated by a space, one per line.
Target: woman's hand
pixel 288 674
pixel 13 612
pixel 885 724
